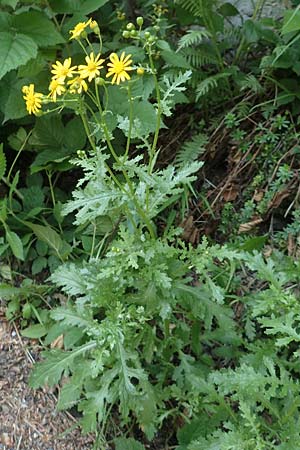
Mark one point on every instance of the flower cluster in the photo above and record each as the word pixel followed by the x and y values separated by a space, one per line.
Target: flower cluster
pixel 75 79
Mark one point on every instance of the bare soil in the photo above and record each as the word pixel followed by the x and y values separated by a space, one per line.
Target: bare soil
pixel 28 418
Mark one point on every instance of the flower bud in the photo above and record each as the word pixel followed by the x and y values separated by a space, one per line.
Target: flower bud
pixel 140 21
pixel 151 39
pixel 130 26
pixel 133 33
pixel 81 154
pixel 140 71
pixel 94 26
pixel 100 81
pixel 147 34
pixel 156 28
pixel 126 34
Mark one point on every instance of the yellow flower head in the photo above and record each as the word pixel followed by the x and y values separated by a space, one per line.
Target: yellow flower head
pixel 92 67
pixel 33 99
pixel 62 70
pixel 77 85
pixel 79 28
pixel 56 87
pixel 118 67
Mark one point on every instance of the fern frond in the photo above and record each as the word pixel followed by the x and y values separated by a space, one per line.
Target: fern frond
pixel 191 150
pixel 251 83
pixel 199 57
pixel 192 37
pixel 198 8
pixel 210 84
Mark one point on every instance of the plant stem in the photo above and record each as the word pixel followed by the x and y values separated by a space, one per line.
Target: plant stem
pixel 159 113
pixel 258 7
pixel 130 120
pixel 17 156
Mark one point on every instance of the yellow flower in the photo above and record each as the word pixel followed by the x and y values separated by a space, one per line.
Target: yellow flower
pixel 62 70
pixel 56 87
pixel 77 85
pixel 79 28
pixel 32 99
pixel 92 67
pixel 119 67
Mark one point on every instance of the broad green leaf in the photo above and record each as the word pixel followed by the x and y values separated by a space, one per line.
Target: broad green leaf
pixel 74 135
pixel 5 21
pixel 7 291
pixel 228 10
pixel 128 444
pixel 2 162
pixel 76 6
pixel 37 26
pixel 11 3
pixel 39 264
pixel 15 244
pixel 15 105
pixel 34 331
pixel 46 234
pixel 291 21
pixel 33 67
pixel 48 132
pixel 15 50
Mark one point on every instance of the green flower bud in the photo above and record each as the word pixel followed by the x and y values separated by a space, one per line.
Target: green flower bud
pixel 100 81
pixel 130 26
pixel 140 21
pixel 147 34
pixel 156 28
pixel 126 34
pixel 151 39
pixel 133 33
pixel 140 71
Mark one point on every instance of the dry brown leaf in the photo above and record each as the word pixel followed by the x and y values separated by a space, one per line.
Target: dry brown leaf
pixel 190 231
pixel 231 193
pixel 244 227
pixel 258 195
pixel 58 342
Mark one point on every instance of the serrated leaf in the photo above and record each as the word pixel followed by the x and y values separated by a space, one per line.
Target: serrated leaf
pixel 74 135
pixel 15 50
pixel 57 361
pixel 34 331
pixel 37 26
pixel 174 59
pixel 48 132
pixel 15 105
pixel 15 244
pixel 76 6
pixel 2 162
pixel 69 394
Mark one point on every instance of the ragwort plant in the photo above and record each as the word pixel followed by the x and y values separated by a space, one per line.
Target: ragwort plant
pixel 149 333
pixel 127 300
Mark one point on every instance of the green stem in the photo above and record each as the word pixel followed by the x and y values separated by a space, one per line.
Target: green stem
pixel 17 156
pixel 49 175
pixel 159 113
pixel 139 209
pixel 130 120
